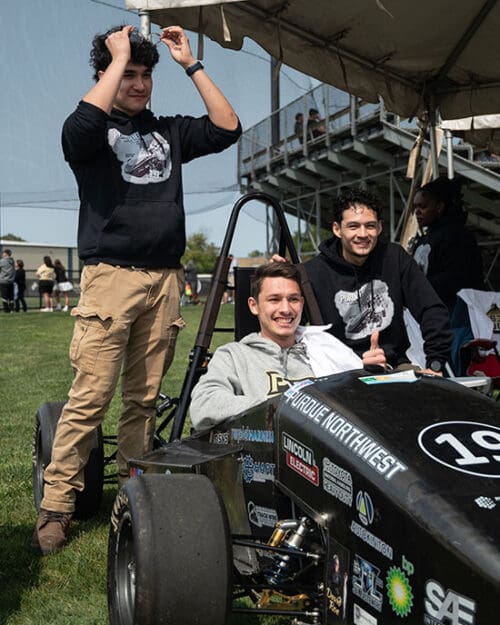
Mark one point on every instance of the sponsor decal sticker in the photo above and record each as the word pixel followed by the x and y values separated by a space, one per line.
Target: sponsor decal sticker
pixel 300 459
pixel 350 436
pixel 260 516
pixel 297 386
pixel 399 591
pixel 364 506
pixel 255 471
pixel 487 502
pixel 252 436
pixel 370 539
pixel 464 446
pixel 337 482
pixel 447 607
pixel 220 438
pixel 366 583
pixel 401 376
pixel 362 617
pixel 337 578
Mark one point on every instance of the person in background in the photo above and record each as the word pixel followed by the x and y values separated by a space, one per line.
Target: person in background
pixel 315 126
pixel 62 285
pixel 47 275
pixel 446 250
pixel 131 236
pixel 192 281
pixel 363 284
pixel 7 275
pixel 20 280
pixel 227 298
pixel 298 127
pixel 448 254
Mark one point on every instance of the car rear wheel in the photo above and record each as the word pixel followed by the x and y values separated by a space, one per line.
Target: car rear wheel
pixel 87 501
pixel 169 553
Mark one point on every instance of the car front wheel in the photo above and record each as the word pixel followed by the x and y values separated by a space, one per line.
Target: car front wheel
pixel 169 553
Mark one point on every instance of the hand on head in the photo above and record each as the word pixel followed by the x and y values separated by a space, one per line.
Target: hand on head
pixel 375 355
pixel 276 258
pixel 118 43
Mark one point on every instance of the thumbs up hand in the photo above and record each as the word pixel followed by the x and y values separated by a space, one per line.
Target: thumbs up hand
pixel 375 355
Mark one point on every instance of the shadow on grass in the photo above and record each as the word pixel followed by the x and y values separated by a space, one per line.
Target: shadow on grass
pixel 24 571
pixel 19 567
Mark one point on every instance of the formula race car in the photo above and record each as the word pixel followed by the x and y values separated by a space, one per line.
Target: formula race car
pixel 357 498
pixel 363 498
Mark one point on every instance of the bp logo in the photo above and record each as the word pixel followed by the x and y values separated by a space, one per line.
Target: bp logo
pixel 364 506
pixel 399 591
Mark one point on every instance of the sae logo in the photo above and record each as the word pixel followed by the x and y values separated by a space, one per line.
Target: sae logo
pixel 446 607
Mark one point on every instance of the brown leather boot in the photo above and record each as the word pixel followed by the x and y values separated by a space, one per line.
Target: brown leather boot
pixel 51 531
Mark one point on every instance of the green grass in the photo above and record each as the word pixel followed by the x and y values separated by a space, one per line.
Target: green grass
pixel 68 588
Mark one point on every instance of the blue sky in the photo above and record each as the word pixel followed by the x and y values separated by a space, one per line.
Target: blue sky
pixel 44 49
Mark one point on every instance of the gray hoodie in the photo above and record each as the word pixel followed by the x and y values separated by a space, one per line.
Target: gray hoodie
pixel 7 270
pixel 244 374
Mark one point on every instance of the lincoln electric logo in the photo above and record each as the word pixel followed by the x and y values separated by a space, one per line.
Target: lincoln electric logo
pixel 300 459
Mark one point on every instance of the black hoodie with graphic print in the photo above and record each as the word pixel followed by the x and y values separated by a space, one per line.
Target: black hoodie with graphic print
pixel 358 300
pixel 128 171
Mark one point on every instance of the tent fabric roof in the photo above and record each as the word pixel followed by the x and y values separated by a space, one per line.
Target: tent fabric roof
pixel 406 52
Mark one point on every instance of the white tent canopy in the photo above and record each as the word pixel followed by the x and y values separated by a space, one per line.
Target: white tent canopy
pixel 416 55
pixel 482 131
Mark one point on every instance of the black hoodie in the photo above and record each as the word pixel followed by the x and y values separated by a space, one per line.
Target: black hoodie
pixel 449 256
pixel 357 300
pixel 128 171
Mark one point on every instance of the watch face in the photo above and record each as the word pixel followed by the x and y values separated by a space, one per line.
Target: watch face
pixel 436 366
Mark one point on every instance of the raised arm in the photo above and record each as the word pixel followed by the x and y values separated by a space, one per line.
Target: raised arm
pixel 220 112
pixel 103 93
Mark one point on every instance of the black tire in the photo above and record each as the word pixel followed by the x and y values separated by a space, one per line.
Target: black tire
pixel 169 553
pixel 87 501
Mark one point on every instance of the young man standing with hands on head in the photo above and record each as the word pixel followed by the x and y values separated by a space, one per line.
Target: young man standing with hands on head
pixel 131 237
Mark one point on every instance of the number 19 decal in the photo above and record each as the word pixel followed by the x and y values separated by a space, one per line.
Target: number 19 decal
pixel 465 446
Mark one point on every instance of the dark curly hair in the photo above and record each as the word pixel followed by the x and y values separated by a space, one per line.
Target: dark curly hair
pixel 351 197
pixel 142 51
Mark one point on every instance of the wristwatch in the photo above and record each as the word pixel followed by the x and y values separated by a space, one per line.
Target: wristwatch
pixel 194 68
pixel 436 366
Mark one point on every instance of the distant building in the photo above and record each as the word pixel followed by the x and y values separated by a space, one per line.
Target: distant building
pixel 32 254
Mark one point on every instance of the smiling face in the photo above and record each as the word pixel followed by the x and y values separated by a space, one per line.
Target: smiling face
pixel 279 309
pixel 427 208
pixel 358 232
pixel 135 89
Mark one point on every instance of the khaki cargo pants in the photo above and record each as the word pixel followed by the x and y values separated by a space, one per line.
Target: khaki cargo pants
pixel 127 320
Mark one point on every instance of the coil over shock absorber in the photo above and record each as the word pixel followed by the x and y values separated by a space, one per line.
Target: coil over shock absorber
pixel 289 533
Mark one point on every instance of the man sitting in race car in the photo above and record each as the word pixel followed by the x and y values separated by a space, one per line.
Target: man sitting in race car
pixel 264 364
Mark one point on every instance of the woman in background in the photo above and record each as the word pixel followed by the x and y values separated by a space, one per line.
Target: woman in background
pixel 62 285
pixel 46 274
pixel 448 253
